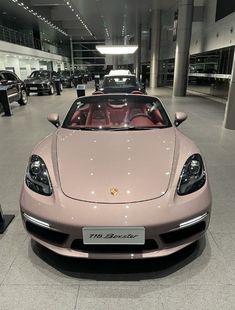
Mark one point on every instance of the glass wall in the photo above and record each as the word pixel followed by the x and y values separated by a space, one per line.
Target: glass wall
pixel 86 55
pixel 18 26
pixel 209 72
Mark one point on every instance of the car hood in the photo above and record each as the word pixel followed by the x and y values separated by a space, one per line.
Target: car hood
pixel 135 165
pixel 36 81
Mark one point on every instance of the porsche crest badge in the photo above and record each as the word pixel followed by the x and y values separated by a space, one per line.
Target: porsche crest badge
pixel 114 191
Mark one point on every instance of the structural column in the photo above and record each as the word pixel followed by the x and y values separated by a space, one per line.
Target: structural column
pixel 115 62
pixel 71 51
pixel 229 118
pixel 155 47
pixel 138 52
pixel 184 30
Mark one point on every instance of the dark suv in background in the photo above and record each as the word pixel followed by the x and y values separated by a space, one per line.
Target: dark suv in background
pixel 16 88
pixel 66 77
pixel 41 82
pixel 121 84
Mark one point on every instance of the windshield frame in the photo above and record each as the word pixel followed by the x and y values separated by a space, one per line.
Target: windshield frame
pixel 136 84
pixel 37 74
pixel 93 99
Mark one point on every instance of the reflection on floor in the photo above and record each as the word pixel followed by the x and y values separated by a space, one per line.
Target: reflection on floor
pixel 199 277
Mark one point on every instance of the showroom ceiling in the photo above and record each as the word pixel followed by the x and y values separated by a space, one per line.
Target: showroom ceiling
pixel 99 19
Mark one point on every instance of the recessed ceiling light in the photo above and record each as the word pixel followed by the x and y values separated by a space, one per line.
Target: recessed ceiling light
pixel 117 49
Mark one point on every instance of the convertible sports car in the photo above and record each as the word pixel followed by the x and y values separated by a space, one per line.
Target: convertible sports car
pixel 116 180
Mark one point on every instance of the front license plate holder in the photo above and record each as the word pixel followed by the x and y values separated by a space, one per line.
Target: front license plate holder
pixel 33 88
pixel 113 235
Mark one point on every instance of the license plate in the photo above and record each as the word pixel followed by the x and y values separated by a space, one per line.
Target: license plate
pixel 33 88
pixel 113 235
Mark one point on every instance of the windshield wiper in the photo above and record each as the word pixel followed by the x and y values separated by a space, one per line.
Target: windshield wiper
pixel 116 129
pixel 129 128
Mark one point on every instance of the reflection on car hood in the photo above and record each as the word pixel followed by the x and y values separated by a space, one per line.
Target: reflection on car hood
pixel 36 81
pixel 138 164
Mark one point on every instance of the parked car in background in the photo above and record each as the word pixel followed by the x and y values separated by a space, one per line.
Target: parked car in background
pixel 16 87
pixel 121 84
pixel 119 72
pixel 41 82
pixel 87 76
pixel 77 78
pixel 66 77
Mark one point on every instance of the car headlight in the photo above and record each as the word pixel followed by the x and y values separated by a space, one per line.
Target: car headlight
pixel 193 175
pixel 37 176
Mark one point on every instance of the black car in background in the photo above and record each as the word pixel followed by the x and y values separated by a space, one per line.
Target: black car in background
pixel 41 82
pixel 16 88
pixel 66 77
pixel 87 76
pixel 77 77
pixel 121 84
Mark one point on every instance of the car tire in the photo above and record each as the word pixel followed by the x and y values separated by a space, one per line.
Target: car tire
pixel 23 97
pixel 51 91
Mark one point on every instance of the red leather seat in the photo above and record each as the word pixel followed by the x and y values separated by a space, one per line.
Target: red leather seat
pixel 157 117
pixel 75 120
pixel 98 92
pixel 97 117
pixel 137 92
pixel 117 114
pixel 141 121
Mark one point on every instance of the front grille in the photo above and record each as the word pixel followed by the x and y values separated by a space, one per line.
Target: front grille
pixel 38 86
pixel 46 234
pixel 183 233
pixel 34 85
pixel 150 245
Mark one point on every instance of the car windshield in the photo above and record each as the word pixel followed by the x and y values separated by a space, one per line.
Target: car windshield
pixel 119 81
pixel 116 112
pixel 40 74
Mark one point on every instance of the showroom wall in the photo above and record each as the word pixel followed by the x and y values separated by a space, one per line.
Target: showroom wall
pixel 207 34
pixel 24 60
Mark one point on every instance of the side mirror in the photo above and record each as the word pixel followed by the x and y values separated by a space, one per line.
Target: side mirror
pixel 179 118
pixel 3 82
pixel 54 119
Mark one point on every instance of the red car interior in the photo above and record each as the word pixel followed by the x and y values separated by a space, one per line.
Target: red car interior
pixel 115 115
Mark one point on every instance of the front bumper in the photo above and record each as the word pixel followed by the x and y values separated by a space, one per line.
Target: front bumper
pixel 57 222
pixel 66 83
pixel 37 88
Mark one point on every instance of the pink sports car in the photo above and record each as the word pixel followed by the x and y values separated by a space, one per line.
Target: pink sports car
pixel 116 180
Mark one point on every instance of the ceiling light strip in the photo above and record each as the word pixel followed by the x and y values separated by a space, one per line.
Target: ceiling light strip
pixel 79 18
pixel 31 11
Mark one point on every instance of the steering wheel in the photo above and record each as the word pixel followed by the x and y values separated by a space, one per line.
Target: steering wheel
pixel 140 115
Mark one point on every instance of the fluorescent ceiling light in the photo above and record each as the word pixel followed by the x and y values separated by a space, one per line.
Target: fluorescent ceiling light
pixel 117 49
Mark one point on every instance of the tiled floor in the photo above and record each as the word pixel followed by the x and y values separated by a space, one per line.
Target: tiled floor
pixel 200 277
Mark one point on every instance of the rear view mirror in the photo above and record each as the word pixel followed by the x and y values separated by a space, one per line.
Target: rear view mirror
pixel 179 118
pixel 54 119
